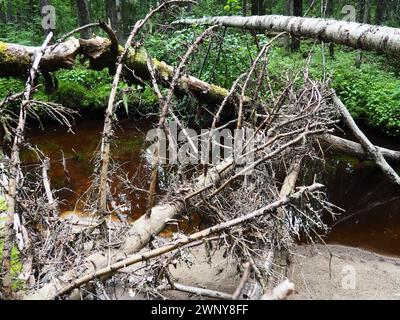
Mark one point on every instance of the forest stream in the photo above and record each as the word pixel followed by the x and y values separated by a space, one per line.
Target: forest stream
pixel 371 221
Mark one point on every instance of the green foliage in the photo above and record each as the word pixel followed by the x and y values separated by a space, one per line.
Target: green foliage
pixel 85 77
pixel 72 95
pixel 9 86
pixel 221 67
pixel 233 7
pixel 142 98
pixel 371 92
pixel 77 96
pixel 16 265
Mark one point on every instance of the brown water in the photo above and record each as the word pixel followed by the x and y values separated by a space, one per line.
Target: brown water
pixel 79 147
pixel 372 220
pixel 371 201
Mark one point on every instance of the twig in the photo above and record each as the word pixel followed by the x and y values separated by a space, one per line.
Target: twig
pixel 202 292
pixel 14 224
pixel 107 130
pixel 243 281
pixel 108 271
pixel 165 109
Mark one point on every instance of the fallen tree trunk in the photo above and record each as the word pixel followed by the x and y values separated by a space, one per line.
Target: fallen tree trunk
pixel 374 152
pixel 137 237
pixel 111 269
pixel 356 149
pixel 15 60
pixel 355 35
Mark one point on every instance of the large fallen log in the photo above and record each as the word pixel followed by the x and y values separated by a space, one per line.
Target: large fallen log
pixel 137 237
pixel 111 269
pixel 15 60
pixel 374 152
pixel 356 149
pixel 356 35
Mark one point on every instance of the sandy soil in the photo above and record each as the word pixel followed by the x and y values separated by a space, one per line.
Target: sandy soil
pixel 351 273
pixel 221 275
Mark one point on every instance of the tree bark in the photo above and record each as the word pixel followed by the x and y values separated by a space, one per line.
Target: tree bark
pixel 366 5
pixel 329 14
pixel 288 12
pixel 258 7
pixel 374 152
pixel 113 11
pixel 10 11
pixel 297 12
pixel 138 235
pixel 15 61
pixel 380 15
pixel 355 149
pixel 3 16
pixel 356 35
pixel 261 7
pixel 83 17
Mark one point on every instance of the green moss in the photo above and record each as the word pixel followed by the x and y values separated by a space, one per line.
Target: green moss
pixel 98 97
pixel 137 59
pixel 71 95
pixel 10 64
pixel 3 47
pixel 217 92
pixel 163 69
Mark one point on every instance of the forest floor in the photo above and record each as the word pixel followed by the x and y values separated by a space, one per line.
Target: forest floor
pixel 315 276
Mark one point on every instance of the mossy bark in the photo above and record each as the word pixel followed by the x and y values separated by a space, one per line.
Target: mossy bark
pixel 15 60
